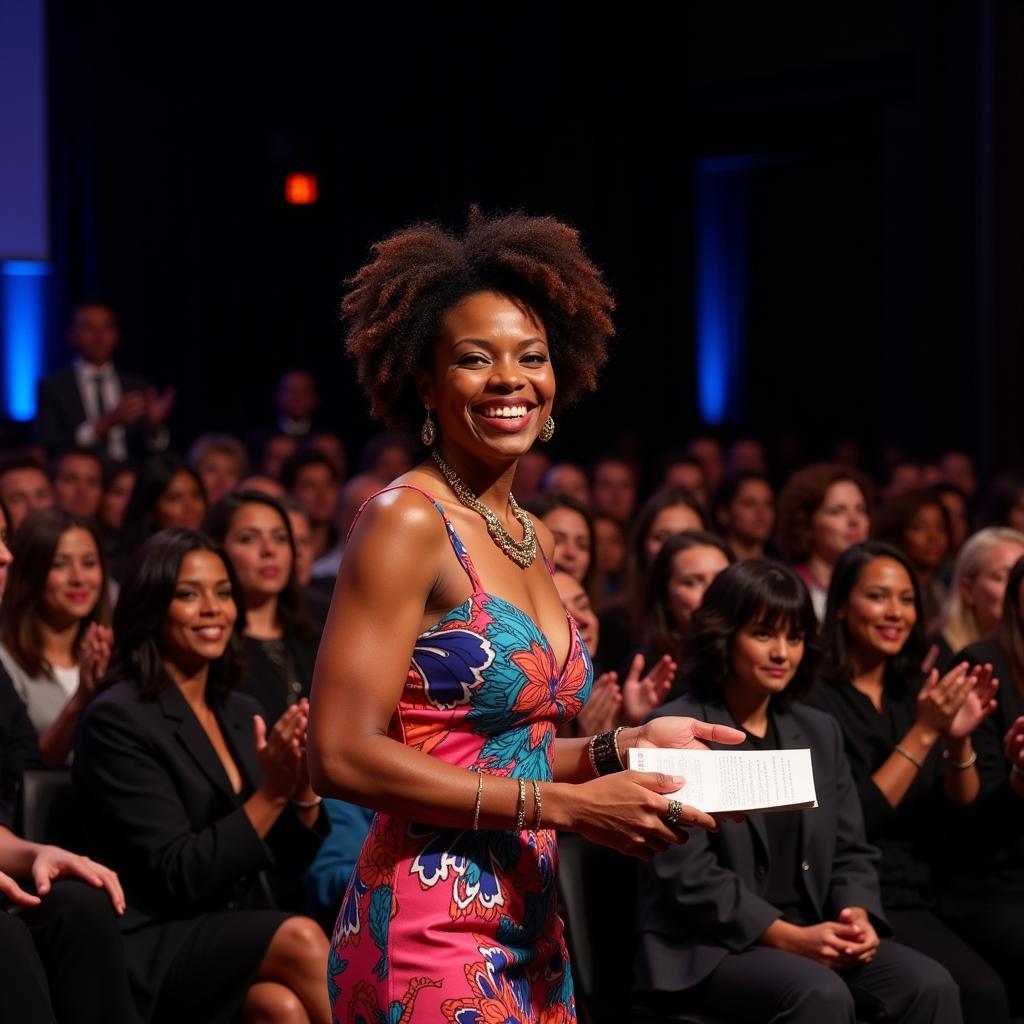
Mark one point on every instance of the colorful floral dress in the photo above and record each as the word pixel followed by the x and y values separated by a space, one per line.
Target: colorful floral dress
pixel 450 925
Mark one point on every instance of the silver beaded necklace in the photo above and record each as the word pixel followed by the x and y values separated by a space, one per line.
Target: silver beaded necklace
pixel 522 552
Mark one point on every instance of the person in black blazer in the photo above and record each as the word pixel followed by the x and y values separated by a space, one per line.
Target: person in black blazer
pixel 92 404
pixel 279 640
pixel 778 917
pixel 982 890
pixel 193 800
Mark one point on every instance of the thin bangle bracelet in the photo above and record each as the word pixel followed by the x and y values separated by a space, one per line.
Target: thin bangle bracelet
pixel 900 749
pixel 308 804
pixel 479 794
pixel 960 766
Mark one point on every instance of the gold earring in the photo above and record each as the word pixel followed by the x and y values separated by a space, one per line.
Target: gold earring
pixel 428 432
pixel 548 430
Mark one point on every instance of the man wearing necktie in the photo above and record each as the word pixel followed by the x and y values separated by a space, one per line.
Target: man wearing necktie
pixel 93 404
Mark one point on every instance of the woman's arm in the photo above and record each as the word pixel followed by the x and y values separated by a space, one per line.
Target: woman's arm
pixel 390 570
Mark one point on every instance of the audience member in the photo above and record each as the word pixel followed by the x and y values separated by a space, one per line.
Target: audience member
pixel 353 495
pixel 78 482
pixel 613 488
pixel 311 479
pixel 983 891
pixel 974 605
pixel 684 568
pixel 330 445
pixel 567 478
pixel 386 457
pixel 746 455
pixel 278 640
pixel 958 511
pixel 610 557
pixel 958 470
pixel 777 917
pixel 743 511
pixel 1004 501
pixel 904 476
pixel 297 401
pixel 167 495
pixel 918 525
pixel 530 472
pixel 93 404
pixel 220 461
pixel 892 725
pixel 24 487
pixel 55 630
pixel 572 526
pixel 191 797
pixel 707 451
pixel 823 509
pixel 264 484
pixel 686 471
pixel 118 484
pixel 274 453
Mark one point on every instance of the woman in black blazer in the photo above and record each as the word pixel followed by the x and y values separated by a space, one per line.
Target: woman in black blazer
pixel 777 917
pixel 192 798
pixel 279 640
pixel 909 742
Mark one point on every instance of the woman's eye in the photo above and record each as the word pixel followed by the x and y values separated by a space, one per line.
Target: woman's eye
pixel 472 360
pixel 537 358
pixel 184 595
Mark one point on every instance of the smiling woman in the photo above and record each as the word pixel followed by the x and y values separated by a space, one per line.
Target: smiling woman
pixel 448 661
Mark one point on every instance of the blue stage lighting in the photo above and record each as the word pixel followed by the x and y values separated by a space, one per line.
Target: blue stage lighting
pixel 23 301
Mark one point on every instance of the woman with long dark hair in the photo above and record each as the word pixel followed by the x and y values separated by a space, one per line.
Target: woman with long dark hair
pixel 776 918
pixel 55 633
pixel 279 642
pixel 191 795
pixel 909 741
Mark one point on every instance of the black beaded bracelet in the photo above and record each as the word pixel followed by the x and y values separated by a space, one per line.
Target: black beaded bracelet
pixel 604 753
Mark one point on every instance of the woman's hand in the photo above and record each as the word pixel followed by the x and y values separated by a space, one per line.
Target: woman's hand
pixel 684 733
pixel 601 712
pixel 51 862
pixel 1013 744
pixel 939 700
pixel 93 659
pixel 626 811
pixel 282 754
pixel 979 703
pixel 641 696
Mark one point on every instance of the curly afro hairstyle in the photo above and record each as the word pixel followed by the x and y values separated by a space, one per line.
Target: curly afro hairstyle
pixel 395 302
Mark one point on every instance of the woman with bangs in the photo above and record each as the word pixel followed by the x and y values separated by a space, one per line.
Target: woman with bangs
pixel 908 736
pixel 779 917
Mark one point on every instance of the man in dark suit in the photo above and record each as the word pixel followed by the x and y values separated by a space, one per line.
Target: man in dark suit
pixel 93 404
pixel 708 923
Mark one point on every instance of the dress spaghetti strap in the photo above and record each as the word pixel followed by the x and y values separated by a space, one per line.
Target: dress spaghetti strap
pixel 456 541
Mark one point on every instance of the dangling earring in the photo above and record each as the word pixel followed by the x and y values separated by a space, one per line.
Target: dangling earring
pixel 548 430
pixel 428 432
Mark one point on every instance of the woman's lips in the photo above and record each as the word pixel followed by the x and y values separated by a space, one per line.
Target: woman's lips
pixel 515 419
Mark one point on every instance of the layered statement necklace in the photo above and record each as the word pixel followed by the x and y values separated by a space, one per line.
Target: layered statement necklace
pixel 522 552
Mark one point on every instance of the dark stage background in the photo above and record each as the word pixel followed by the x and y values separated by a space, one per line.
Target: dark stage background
pixel 882 214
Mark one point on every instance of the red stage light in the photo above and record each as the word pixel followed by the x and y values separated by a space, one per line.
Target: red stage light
pixel 300 189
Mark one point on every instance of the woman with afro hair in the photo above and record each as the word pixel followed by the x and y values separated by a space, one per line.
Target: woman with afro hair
pixel 448 661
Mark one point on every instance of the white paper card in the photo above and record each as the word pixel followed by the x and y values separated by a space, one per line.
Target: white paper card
pixel 734 780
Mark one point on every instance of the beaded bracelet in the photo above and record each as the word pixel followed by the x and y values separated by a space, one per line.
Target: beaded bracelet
pixel 604 753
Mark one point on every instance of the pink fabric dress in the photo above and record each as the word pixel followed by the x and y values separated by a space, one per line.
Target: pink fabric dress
pixel 451 925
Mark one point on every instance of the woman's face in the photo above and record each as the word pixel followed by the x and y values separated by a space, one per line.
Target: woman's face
pixel 880 611
pixel 611 545
pixel 115 500
pixel 75 580
pixel 257 544
pixel 985 591
pixel 668 521
pixel 750 516
pixel 956 509
pixel 491 382
pixel 181 505
pixel 202 612
pixel 220 474
pixel 926 539
pixel 5 554
pixel 693 569
pixel 841 520
pixel 572 551
pixel 764 656
pixel 575 600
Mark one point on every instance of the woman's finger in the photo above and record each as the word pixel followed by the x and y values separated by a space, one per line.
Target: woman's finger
pixel 713 733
